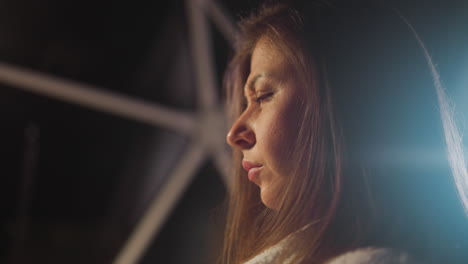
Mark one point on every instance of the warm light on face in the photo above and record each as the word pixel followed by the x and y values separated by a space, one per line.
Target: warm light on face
pixel 266 131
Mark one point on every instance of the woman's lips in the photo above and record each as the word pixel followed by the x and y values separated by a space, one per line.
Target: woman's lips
pixel 252 168
pixel 253 172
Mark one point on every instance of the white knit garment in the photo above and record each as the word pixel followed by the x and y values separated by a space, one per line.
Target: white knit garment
pixel 271 255
pixel 359 256
pixel 371 256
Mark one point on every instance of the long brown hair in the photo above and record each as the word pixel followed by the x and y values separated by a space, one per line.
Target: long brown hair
pixel 312 195
pixel 373 78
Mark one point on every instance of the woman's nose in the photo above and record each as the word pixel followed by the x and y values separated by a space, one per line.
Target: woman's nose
pixel 241 136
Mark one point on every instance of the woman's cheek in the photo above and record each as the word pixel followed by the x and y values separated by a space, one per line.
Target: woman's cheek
pixel 280 144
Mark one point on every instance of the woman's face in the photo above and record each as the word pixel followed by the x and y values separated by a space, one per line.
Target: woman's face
pixel 266 131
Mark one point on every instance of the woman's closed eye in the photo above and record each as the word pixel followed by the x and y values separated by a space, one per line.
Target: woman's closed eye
pixel 264 97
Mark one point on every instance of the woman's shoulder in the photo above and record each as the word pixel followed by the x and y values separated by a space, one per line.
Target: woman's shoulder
pixel 369 255
pixel 372 255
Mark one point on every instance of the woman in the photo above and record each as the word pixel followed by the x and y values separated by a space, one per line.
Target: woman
pixel 322 112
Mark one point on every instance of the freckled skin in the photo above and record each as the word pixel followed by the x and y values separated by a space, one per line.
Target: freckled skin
pixel 266 131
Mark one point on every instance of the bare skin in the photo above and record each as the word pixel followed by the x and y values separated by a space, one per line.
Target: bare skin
pixel 266 130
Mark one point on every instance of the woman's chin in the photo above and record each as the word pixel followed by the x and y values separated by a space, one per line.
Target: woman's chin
pixel 267 199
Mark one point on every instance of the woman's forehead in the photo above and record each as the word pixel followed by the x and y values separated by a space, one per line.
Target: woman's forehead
pixel 267 60
pixel 266 53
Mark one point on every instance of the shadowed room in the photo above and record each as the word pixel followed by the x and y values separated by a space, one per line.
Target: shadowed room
pixel 113 140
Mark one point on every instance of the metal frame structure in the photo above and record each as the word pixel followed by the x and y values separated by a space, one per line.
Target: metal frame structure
pixel 206 128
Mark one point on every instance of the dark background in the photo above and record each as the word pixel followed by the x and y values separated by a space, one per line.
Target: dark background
pixel 95 173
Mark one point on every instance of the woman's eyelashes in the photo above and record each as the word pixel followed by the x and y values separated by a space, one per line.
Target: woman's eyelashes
pixel 257 98
pixel 263 97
